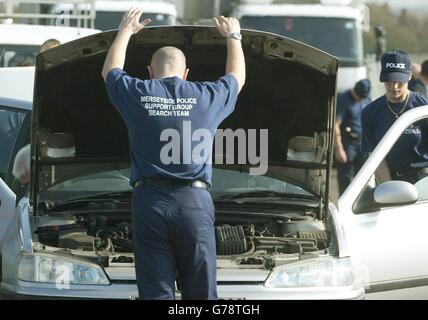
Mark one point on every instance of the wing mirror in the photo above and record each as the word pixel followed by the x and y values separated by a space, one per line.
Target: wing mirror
pixel 393 193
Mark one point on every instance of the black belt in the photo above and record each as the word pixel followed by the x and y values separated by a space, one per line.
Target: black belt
pixel 149 182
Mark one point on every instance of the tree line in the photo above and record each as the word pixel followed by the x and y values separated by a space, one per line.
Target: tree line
pixel 404 30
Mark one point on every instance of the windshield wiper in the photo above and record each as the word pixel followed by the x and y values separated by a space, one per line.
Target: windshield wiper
pixel 266 194
pixel 80 201
pixel 104 196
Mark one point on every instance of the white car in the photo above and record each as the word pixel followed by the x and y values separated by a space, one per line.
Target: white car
pixel 20 43
pixel 278 235
pixel 9 77
pixel 314 24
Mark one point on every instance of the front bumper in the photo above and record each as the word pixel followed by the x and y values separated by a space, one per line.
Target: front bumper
pixel 225 292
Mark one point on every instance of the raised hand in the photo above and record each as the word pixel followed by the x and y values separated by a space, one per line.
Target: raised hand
pixel 227 25
pixel 131 21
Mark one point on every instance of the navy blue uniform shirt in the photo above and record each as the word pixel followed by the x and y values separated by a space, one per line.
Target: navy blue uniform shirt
pixel 349 113
pixel 174 109
pixel 416 85
pixel 411 147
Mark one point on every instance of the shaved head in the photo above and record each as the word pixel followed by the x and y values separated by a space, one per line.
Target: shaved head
pixel 168 62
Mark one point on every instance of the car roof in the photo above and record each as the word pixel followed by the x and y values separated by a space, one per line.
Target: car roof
pixel 122 6
pixel 26 34
pixel 15 103
pixel 307 10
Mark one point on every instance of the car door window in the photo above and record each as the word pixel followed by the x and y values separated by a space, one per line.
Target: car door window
pixel 414 159
pixel 10 124
pixel 406 162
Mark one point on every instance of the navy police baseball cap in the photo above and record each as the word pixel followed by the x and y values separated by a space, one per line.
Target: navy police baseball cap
pixel 396 67
pixel 362 88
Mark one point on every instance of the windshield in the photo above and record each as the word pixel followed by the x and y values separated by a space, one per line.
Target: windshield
pixel 225 182
pixel 338 36
pixel 18 55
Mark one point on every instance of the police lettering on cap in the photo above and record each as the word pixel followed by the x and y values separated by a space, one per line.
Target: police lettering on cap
pixel 362 88
pixel 396 67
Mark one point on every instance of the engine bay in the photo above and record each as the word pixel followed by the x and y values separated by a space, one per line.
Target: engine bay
pixel 245 238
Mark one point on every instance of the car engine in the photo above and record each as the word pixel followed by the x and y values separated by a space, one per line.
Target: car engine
pixel 104 234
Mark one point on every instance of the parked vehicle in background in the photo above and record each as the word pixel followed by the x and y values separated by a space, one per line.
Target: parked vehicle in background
pixel 17 83
pixel 20 43
pixel 109 13
pixel 333 27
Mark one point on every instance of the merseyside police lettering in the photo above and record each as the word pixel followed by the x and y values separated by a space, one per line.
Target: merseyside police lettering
pixel 164 107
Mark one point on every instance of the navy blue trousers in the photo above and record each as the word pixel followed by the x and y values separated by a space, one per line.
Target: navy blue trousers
pixel 347 171
pixel 173 232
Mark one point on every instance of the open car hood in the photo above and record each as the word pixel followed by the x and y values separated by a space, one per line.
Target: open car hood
pixel 290 90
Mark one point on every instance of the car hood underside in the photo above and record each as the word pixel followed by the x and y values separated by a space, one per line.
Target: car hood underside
pixel 290 90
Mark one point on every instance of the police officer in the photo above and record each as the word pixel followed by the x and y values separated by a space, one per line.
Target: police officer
pixel 348 153
pixel 423 77
pixel 411 150
pixel 416 83
pixel 172 210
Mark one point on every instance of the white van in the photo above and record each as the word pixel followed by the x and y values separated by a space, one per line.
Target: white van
pixel 333 27
pixel 108 14
pixel 20 43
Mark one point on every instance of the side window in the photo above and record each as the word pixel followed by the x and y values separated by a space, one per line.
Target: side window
pixel 10 125
pixel 406 161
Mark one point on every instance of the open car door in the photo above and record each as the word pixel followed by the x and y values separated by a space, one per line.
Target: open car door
pixel 387 224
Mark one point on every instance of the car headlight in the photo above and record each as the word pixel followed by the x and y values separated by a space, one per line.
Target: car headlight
pixel 326 273
pixel 49 268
